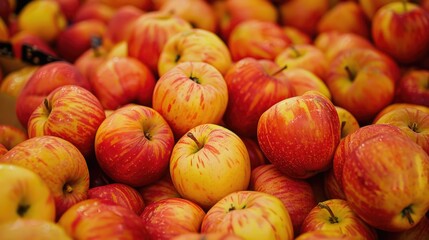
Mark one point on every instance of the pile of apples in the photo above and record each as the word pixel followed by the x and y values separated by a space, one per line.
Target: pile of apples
pixel 217 119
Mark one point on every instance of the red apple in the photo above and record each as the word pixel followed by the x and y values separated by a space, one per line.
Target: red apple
pixel 297 36
pixel 69 8
pixel 256 156
pixel 120 24
pixel 133 145
pixel 349 124
pixel 15 81
pixel 144 5
pixel 370 7
pixel 413 87
pixel 420 231
pixel 10 136
pixel 303 81
pixel 161 189
pixel 171 217
pixel 300 134
pixel 3 150
pixel 88 62
pixel 93 11
pixel 331 187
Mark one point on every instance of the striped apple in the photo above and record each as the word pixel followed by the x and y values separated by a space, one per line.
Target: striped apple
pixel 161 189
pixel 10 136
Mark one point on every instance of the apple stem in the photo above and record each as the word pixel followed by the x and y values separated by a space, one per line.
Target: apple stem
pixel 67 188
pixel 351 74
pixel 413 126
pixel 407 213
pixel 332 218
pixel 191 136
pixel 298 53
pixel 343 124
pixel 279 70
pixel 46 104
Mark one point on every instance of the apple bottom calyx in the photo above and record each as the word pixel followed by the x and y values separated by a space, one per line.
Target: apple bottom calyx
pixel 332 218
pixel 406 212
pixel 350 72
pixel 67 188
pixel 232 208
pixel 47 106
pixel 22 209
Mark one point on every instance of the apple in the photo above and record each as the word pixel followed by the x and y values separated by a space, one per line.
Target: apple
pixel 393 35
pixel 24 195
pixel 161 189
pixel 102 219
pixel 413 87
pixel 208 163
pixel 331 188
pixel 59 163
pixel 297 36
pixel 88 62
pixel 149 34
pixel 257 39
pixel 194 45
pixel 190 94
pixel 300 134
pixel 394 106
pixel 388 190
pixel 250 215
pixel 207 236
pixel 70 112
pixel 42 18
pixel 296 195
pixel 120 194
pixel 256 156
pixel 349 124
pixel 119 49
pixel 357 75
pixel 120 24
pixel 171 217
pixel 10 136
pixel 13 83
pixel 253 87
pixel 191 11
pixel 304 56
pixel 93 11
pixel 370 7
pixel 34 229
pixel 35 90
pixel 336 215
pixel 420 231
pixel 69 8
pixel 324 235
pixel 413 122
pixel 122 80
pixel 133 145
pixel 144 5
pixel 303 80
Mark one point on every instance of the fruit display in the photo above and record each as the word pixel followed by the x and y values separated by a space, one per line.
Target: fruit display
pixel 214 119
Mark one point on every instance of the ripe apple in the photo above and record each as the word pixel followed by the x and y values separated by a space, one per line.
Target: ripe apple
pixel 88 62
pixel 253 87
pixel 349 124
pixel 194 45
pixel 161 189
pixel 144 5
pixel 70 112
pixel 208 163
pixel 59 163
pixel 413 87
pixel 94 10
pixel 171 217
pixel 10 136
pixel 324 235
pixel 133 145
pixel 34 229
pixel 297 36
pixel 24 195
pixel 331 188
pixel 303 80
pixel 102 219
pixel 13 82
pixel 420 231
pixel 120 194
pixel 150 32
pixel 123 80
pixel 250 215
pixel 190 94
pixel 296 195
pixel 300 134
pixel 392 33
pixel 69 8
pixel 257 39
pixel 388 190
pixel 35 90
pixel 394 106
pixel 336 215
pixel 370 7
pixel 256 156
pixel 120 24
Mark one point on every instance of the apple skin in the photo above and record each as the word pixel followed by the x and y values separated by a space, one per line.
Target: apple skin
pixel 93 11
pixel 13 83
pixel 219 154
pixel 303 81
pixel 3 150
pixel 296 195
pixel 324 235
pixel 394 106
pixel 370 7
pixel 297 36
pixel 253 87
pixel 388 191
pixel 34 229
pixel 344 220
pixel 194 45
pixel 102 219
pixel 35 90
pixel 190 94
pixel 122 80
pixel 349 124
pixel 207 236
pixel 69 112
pixel 420 231
pixel 150 32
pixel 59 163
pixel 88 62
pixel 161 189
pixel 391 32
pixel 413 87
pixel 291 123
pixel 331 187
pixel 69 8
pixel 250 215
pixel 120 24
pixel 256 156
pixel 171 217
pixel 10 136
pixel 126 138
pixel 24 195
pixel 257 39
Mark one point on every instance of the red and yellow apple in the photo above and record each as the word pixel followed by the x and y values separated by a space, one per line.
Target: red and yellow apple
pixel 33 229
pixel 161 189
pixel 10 136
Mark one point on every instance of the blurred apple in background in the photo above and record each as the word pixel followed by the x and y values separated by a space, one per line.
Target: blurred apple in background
pixel 120 24
pixel 419 232
pixel 32 229
pixel 256 156
pixel 144 5
pixel 59 163
pixel 205 153
pixel 150 32
pixel 296 195
pixel 13 83
pixel 10 136
pixel 370 7
pixel 303 81
pixel 88 62
pixel 300 134
pixel 161 189
pixel 120 194
pixel 24 195
pixel 3 150
pixel 296 36
pixel 349 123
pixel 35 90
pixel 207 236
pixel 253 87
pixel 93 11
pixel 102 219
pixel 120 81
pixel 133 145
pixel 250 215
pixel 413 87
pixel 171 217
pixel 28 38
pixel 190 94
pixel 194 45
pixel 69 8
pixel 331 187
pixel 257 39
